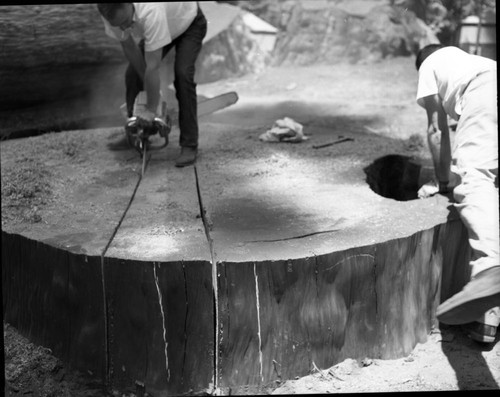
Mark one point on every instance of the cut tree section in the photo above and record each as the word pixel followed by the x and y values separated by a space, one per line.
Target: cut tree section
pixel 312 264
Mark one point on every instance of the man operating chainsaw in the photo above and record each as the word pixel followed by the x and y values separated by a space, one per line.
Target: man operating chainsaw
pixel 147 32
pixel 462 86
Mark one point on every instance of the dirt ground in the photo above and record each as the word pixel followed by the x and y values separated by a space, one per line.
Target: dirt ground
pixel 375 98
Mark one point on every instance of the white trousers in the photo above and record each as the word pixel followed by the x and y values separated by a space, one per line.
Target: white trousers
pixel 475 161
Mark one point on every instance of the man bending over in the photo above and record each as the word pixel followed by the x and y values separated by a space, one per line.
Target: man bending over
pixel 147 32
pixel 464 87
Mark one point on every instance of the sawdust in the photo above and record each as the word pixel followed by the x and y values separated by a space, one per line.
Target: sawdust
pixel 29 184
pixel 26 187
pixel 162 230
pixel 33 370
pixel 447 361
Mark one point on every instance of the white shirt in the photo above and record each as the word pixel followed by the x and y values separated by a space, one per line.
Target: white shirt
pixel 447 72
pixel 157 23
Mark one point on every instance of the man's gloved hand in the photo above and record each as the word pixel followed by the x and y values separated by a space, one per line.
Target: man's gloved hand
pixel 428 190
pixel 141 109
pixel 142 112
pixel 432 188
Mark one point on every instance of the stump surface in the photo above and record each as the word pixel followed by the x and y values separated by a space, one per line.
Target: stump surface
pixel 263 201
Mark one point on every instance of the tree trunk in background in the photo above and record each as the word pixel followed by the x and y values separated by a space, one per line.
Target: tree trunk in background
pixel 61 34
pixel 54 53
pixel 59 52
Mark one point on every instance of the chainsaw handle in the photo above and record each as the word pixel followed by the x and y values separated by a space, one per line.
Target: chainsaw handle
pixel 132 122
pixel 161 122
pixel 162 125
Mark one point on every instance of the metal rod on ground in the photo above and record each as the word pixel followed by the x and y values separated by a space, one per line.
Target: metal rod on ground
pixel 332 143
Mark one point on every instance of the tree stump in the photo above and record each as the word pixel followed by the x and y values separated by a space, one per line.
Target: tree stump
pixel 262 261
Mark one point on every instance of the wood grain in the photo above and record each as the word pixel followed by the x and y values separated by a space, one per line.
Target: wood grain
pixel 374 301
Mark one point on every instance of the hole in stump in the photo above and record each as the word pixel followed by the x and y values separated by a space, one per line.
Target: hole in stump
pixel 394 177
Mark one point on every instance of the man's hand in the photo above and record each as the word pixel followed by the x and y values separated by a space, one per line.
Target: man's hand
pixel 428 190
pixel 432 188
pixel 144 113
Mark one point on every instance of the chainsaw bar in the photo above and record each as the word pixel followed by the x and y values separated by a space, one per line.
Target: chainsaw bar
pixel 210 105
pixel 218 102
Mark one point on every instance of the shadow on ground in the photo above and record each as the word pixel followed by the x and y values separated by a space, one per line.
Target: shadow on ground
pixel 65 125
pixel 266 111
pixel 471 369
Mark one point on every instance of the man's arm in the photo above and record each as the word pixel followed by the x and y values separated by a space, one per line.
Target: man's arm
pixel 148 68
pixel 152 79
pixel 438 136
pixel 134 55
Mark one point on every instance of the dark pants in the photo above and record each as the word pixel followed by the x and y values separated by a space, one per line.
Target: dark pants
pixel 187 47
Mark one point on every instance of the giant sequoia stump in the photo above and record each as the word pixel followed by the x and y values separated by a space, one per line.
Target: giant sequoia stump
pixel 45 59
pixel 295 258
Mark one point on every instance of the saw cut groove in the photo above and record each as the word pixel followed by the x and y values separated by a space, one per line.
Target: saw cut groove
pixel 292 238
pixel 160 300
pixel 214 277
pixel 257 303
pixel 185 319
pixel 105 301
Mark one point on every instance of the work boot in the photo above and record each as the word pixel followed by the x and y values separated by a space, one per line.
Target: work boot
pixel 187 157
pixel 478 296
pixel 484 330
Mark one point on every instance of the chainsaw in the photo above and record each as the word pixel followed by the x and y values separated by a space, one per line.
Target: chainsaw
pixel 139 131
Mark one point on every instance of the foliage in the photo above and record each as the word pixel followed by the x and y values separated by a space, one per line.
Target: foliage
pixel 270 11
pixel 444 16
